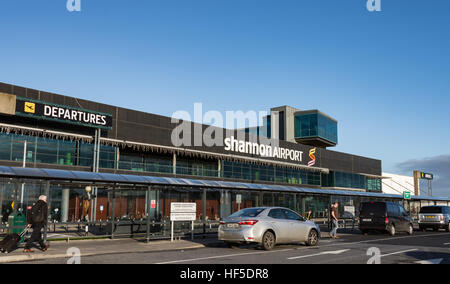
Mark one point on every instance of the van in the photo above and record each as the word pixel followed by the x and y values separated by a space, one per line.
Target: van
pixel 387 217
pixel 434 217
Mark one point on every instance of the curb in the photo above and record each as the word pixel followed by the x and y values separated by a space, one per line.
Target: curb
pixel 31 257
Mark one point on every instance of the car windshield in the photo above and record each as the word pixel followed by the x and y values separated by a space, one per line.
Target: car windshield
pixel 249 212
pixel 431 210
pixel 375 208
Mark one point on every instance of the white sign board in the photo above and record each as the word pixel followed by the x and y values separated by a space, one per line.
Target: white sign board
pixel 349 211
pixel 183 211
pixel 178 207
pixel 183 216
pixel 238 198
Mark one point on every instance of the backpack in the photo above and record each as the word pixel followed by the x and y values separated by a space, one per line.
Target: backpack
pixel 37 215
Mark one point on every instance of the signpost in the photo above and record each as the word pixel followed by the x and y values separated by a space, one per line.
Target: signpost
pixel 349 212
pixel 407 195
pixel 182 212
pixel 426 176
pixel 239 201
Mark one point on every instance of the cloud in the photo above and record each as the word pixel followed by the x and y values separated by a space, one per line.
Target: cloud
pixel 439 166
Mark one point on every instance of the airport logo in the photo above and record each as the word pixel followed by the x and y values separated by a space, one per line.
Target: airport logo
pixel 266 151
pixel 30 107
pixel 312 157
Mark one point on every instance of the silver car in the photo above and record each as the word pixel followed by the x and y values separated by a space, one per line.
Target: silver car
pixel 268 226
pixel 434 217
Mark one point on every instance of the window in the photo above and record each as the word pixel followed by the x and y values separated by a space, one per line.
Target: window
pixel 292 216
pixel 374 184
pixel 393 210
pixel 5 146
pixel 250 212
pixel 277 214
pixel 402 211
pixel 315 125
pixel 431 210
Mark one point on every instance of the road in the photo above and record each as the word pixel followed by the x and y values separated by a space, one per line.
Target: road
pixel 421 247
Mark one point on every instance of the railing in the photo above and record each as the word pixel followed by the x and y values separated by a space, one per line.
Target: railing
pixel 122 229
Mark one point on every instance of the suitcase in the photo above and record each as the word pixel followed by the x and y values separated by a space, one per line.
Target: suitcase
pixel 10 242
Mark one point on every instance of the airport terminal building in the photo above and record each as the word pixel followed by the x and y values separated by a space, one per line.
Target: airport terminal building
pixel 64 147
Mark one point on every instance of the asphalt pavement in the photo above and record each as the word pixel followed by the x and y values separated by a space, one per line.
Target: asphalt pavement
pixel 352 248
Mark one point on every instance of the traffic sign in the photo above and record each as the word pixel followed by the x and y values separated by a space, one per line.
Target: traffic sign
pixel 406 195
pixel 426 176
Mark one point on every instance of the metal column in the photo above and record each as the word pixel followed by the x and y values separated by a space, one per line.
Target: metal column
pixel 204 210
pixel 47 191
pixel 148 213
pixel 113 211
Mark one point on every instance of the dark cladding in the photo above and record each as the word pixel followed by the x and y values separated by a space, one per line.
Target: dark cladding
pixel 146 128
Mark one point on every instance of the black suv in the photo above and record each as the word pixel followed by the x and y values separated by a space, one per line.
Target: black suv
pixel 384 217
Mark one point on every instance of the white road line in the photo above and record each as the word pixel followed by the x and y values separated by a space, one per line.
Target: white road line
pixel 386 239
pixel 322 253
pixel 430 261
pixel 446 244
pixel 399 252
pixel 330 245
pixel 222 256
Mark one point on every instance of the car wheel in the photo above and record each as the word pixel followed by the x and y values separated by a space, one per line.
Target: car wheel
pixel 391 230
pixel 410 229
pixel 313 238
pixel 268 241
pixel 364 232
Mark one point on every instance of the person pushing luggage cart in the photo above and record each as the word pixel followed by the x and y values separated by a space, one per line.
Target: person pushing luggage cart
pixel 37 219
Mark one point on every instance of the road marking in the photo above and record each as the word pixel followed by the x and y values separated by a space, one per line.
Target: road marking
pixel 430 261
pixel 322 253
pixel 399 252
pixel 446 244
pixel 329 245
pixel 386 239
pixel 222 256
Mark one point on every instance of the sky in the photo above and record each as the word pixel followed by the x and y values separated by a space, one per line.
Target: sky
pixel 385 76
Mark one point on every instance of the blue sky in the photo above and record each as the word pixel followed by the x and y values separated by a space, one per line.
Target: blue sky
pixel 384 76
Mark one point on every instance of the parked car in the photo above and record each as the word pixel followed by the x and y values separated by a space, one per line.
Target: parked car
pixel 434 217
pixel 384 217
pixel 268 226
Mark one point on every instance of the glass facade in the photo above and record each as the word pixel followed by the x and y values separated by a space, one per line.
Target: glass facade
pixel 315 125
pixel 264 130
pixel 254 172
pixel 78 153
pixel 195 167
pixel 349 180
pixel 374 184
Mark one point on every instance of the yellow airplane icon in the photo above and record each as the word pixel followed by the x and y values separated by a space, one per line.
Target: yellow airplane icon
pixel 30 107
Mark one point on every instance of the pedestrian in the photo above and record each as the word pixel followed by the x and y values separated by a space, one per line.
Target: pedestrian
pixel 334 220
pixel 37 219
